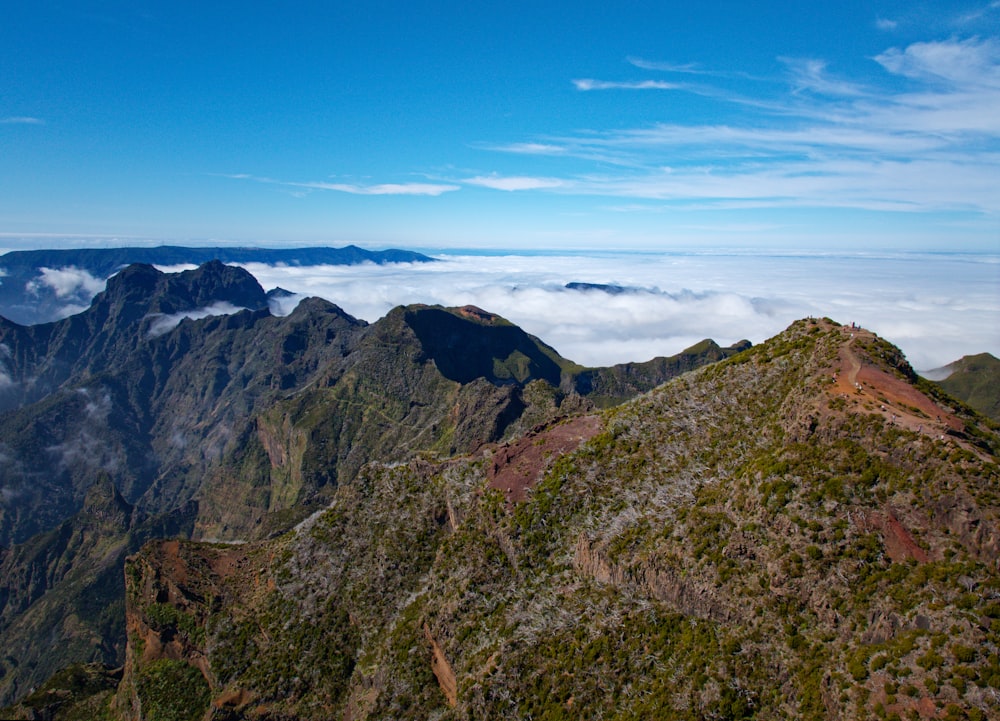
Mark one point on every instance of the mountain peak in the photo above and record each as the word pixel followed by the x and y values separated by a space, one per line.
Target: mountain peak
pixel 975 379
pixel 141 290
pixel 468 343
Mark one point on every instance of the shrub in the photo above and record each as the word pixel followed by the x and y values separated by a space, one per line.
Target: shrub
pixel 172 691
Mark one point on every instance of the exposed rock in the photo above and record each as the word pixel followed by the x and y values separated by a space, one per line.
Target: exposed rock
pixel 442 669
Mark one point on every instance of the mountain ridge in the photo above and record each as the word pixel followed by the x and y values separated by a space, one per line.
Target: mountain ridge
pixel 974 379
pixel 782 534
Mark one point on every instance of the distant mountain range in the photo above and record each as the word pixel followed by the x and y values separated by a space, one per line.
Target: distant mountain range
pixel 177 404
pixel 38 286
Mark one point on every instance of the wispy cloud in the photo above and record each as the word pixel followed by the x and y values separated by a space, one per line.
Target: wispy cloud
pixel 21 120
pixel 811 74
pixel 161 323
pixel 530 148
pixel 977 14
pixel 68 282
pixel 590 84
pixel 886 24
pixel 431 189
pixel 921 136
pixel 667 67
pixel 513 182
pixel 969 63
pixel 382 188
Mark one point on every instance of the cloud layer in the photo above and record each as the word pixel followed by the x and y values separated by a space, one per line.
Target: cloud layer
pixel 67 282
pixel 935 307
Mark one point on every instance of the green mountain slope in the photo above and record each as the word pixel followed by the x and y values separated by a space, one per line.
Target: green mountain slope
pixel 62 592
pixel 975 380
pixel 805 530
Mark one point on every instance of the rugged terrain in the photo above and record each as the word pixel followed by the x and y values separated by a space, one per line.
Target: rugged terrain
pixel 805 530
pixel 182 402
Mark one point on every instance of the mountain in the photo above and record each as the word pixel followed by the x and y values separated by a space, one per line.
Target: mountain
pixel 39 286
pixel 210 416
pixel 974 379
pixel 805 530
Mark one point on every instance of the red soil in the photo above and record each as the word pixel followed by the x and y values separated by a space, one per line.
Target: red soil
pixel 519 465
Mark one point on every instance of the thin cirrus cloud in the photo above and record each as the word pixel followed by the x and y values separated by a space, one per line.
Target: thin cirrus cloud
pixel 511 183
pixel 591 84
pixel 382 188
pixel 810 74
pixel 918 135
pixel 432 189
pixel 645 64
pixel 21 120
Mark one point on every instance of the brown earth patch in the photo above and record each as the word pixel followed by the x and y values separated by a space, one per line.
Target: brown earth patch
pixel 519 465
pixel 478 314
pixel 226 563
pixel 899 543
pixel 233 699
pixel 442 669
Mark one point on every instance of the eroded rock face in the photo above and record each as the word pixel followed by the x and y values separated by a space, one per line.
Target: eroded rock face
pixel 516 467
pixel 964 518
pixel 690 597
pixel 171 588
pixel 442 669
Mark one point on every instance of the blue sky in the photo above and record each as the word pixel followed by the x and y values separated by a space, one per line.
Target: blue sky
pixel 654 125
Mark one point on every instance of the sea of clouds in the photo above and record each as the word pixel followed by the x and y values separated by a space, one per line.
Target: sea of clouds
pixel 936 306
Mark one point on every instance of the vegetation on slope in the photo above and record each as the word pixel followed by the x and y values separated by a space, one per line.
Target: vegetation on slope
pixel 795 532
pixel 976 381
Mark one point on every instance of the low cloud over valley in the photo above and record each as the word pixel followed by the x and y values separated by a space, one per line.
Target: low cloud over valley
pixel 936 307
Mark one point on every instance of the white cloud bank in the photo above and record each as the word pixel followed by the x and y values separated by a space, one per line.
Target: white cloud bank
pixel 67 282
pixel 936 307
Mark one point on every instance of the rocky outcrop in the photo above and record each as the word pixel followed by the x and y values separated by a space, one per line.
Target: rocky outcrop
pixel 654 581
pixel 966 521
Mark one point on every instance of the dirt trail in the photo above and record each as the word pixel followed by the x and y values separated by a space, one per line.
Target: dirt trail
pixel 881 392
